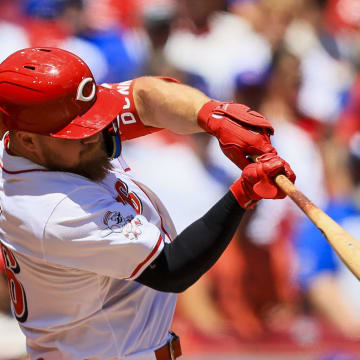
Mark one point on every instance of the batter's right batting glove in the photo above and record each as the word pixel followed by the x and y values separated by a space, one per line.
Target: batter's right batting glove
pixel 257 180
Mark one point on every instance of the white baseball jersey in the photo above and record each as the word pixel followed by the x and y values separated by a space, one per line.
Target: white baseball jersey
pixel 71 248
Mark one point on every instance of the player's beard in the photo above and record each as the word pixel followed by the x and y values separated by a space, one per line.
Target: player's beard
pixel 95 168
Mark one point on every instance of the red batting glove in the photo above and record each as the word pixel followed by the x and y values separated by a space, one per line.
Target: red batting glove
pixel 240 130
pixel 257 180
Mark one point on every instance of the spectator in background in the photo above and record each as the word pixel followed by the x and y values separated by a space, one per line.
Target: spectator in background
pixel 216 45
pixel 56 24
pixel 331 289
pixel 269 18
pixel 342 18
pixel 327 74
pixel 12 36
pixel 122 44
pixel 157 21
pixel 348 123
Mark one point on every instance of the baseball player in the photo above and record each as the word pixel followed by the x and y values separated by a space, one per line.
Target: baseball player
pixel 91 255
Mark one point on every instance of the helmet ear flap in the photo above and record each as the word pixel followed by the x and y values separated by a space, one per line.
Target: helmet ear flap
pixel 112 140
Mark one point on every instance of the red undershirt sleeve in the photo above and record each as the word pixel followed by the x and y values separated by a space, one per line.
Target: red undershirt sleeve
pixel 130 124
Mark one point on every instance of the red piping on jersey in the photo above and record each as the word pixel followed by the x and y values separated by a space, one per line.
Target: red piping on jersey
pixel 20 171
pixel 156 208
pixel 148 258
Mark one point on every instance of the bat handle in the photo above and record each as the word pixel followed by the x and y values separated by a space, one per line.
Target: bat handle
pixel 291 190
pixel 315 214
pixel 304 203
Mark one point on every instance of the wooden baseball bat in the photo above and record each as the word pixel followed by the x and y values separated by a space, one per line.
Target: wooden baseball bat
pixel 345 245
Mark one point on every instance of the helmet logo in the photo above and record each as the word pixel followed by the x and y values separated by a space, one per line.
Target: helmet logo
pixel 80 91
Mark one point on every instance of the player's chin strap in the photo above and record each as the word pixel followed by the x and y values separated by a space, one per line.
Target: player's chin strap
pixel 112 140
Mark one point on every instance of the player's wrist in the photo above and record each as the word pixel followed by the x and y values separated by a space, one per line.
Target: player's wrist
pixel 241 194
pixel 204 117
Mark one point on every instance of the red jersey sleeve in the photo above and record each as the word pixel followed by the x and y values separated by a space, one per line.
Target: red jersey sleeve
pixel 130 124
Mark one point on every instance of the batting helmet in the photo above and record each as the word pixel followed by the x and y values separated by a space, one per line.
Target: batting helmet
pixel 52 92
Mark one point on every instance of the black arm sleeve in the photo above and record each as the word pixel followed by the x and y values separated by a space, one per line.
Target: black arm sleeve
pixel 183 261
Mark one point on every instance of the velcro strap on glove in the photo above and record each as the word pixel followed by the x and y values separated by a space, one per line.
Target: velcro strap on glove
pixel 244 194
pixel 236 112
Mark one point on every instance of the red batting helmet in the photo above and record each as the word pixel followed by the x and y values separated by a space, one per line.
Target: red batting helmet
pixel 52 92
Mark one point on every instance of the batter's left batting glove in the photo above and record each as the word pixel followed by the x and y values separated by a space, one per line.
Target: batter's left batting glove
pixel 257 180
pixel 240 130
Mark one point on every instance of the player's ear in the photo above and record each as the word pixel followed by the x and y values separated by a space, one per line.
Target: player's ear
pixel 28 145
pixel 27 141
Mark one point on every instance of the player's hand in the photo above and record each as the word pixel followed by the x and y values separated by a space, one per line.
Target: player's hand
pixel 240 130
pixel 257 180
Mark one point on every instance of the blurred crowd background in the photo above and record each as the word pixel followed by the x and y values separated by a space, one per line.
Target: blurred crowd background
pixel 279 291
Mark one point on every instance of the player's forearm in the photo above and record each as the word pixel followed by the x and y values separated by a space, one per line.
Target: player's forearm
pixel 183 261
pixel 168 105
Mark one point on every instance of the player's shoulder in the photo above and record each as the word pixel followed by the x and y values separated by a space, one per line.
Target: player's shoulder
pixel 67 193
pixel 67 183
pixel 56 185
